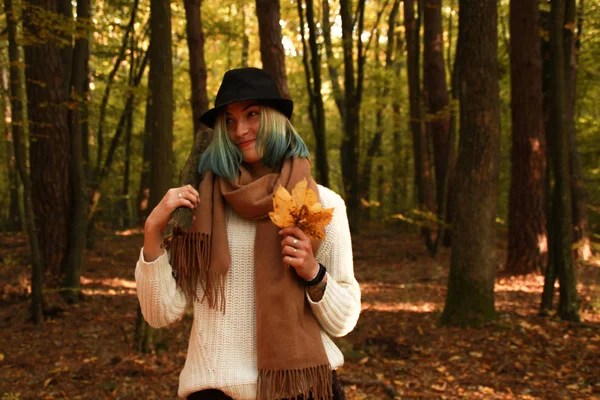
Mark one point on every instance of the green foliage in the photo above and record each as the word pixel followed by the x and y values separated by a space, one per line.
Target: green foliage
pixel 226 23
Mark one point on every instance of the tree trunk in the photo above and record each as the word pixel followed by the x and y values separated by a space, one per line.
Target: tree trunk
pixel 245 38
pixel 581 238
pixel 568 307
pixel 14 214
pixel 18 122
pixel 111 77
pixel 334 75
pixel 316 107
pixel 49 132
pixel 161 128
pixel 374 149
pixel 272 54
pixel 143 195
pixel 79 199
pixel 121 128
pixel 195 40
pixel 399 185
pixel 351 117
pixel 470 298
pixel 126 219
pixel 420 145
pixel 436 93
pixel 550 273
pixel 527 234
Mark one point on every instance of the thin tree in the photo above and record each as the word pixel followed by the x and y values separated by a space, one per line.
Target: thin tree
pixel 195 40
pixel 562 233
pixel 399 179
pixel 14 214
pixel 581 237
pixel 18 122
pixel 527 233
pixel 316 108
pixel 374 146
pixel 111 77
pixel 79 199
pixel 470 297
pixel 422 168
pixel 272 54
pixel 49 147
pixel 161 126
pixel 438 107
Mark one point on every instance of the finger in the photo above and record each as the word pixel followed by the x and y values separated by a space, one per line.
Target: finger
pixel 193 191
pixel 188 196
pixel 183 202
pixel 291 261
pixel 293 252
pixel 294 231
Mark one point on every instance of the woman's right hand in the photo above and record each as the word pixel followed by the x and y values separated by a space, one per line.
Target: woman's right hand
pixel 185 196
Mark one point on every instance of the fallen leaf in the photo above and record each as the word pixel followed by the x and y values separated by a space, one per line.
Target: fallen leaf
pixel 439 388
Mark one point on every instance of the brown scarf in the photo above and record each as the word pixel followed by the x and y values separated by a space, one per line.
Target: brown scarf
pixel 291 356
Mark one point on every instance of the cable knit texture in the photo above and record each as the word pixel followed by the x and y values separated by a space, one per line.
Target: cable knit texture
pixel 222 347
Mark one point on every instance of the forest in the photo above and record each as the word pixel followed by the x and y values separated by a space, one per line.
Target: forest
pixel 463 136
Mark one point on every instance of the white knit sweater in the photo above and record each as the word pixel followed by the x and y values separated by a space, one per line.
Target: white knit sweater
pixel 222 347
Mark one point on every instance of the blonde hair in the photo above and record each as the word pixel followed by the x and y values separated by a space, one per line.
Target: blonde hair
pixel 276 141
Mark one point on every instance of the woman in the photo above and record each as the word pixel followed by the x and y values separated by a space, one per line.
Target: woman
pixel 266 300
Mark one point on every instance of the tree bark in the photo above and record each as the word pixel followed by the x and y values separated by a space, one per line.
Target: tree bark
pixel 143 195
pixel 436 93
pixel 313 83
pixel 470 297
pixel 161 128
pixel 195 40
pixel 351 116
pixel 399 186
pixel 581 238
pixel 18 122
pixel 49 133
pixel 527 233
pixel 79 198
pixel 245 38
pixel 420 144
pixel 568 307
pixel 272 54
pixel 14 214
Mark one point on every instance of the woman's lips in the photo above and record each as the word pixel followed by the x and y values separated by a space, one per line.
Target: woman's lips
pixel 246 144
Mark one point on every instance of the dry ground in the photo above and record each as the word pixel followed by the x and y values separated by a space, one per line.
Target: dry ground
pixel 396 351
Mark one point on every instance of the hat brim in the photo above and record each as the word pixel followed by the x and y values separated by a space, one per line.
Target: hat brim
pixel 285 106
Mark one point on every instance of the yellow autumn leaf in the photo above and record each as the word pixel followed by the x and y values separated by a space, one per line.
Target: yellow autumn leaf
pixel 283 205
pixel 302 209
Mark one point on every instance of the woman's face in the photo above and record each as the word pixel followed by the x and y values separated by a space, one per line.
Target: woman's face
pixel 243 121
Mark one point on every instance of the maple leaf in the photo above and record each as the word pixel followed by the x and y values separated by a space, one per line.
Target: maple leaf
pixel 301 209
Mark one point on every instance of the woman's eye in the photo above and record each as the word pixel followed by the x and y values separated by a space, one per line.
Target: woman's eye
pixel 228 121
pixel 253 113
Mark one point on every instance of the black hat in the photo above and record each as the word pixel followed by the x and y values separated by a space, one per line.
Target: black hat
pixel 247 84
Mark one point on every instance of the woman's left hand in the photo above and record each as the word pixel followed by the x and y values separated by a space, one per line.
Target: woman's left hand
pixel 297 252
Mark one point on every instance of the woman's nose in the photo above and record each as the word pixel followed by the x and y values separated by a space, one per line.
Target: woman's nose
pixel 242 129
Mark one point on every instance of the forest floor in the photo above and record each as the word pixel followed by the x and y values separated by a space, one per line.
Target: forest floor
pixel 398 350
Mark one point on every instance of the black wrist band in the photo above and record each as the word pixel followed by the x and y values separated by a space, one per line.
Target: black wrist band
pixel 319 277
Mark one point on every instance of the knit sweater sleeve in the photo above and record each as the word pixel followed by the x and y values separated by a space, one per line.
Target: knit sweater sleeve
pixel 338 310
pixel 160 300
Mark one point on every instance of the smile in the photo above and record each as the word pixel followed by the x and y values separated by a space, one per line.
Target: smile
pixel 246 144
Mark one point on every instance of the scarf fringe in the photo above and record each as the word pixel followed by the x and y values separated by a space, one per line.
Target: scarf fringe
pixel 289 384
pixel 190 259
